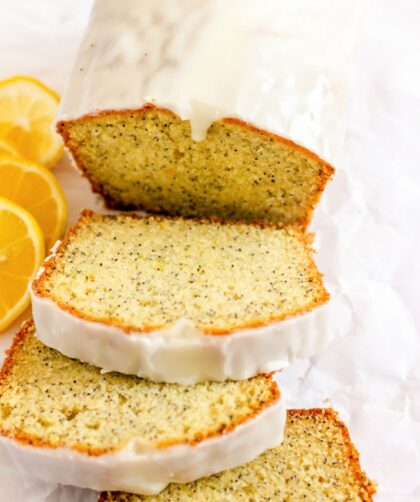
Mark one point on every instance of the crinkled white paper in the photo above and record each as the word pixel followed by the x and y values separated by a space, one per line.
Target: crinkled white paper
pixel 368 230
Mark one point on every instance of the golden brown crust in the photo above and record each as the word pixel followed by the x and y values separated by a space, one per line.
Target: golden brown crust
pixel 366 487
pixel 5 370
pixel 32 440
pixel 325 173
pixel 40 289
pixel 326 169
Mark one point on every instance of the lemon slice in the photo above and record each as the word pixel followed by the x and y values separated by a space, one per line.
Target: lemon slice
pixel 21 254
pixel 34 188
pixel 27 110
pixel 6 147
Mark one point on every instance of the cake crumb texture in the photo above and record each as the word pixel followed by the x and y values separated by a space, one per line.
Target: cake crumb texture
pixel 145 273
pixel 147 159
pixel 47 399
pixel 315 462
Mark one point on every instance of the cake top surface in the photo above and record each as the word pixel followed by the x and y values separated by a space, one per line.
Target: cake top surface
pixel 49 400
pixel 146 273
pixel 315 461
pixel 273 67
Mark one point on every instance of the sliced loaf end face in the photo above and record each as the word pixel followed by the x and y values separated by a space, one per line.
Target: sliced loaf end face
pixel 316 461
pixel 146 159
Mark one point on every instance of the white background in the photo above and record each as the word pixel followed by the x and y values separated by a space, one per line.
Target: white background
pixel 368 230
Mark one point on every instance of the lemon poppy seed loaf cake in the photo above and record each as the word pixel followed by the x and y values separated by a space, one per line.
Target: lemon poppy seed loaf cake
pixel 199 108
pixel 315 462
pixel 181 300
pixel 63 421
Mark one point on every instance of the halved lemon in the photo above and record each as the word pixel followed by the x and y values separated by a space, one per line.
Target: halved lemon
pixel 27 111
pixel 21 255
pixel 34 188
pixel 6 147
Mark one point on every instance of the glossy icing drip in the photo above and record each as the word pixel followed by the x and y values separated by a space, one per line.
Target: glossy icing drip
pixel 284 66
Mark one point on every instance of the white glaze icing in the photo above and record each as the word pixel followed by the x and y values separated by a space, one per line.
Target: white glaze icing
pixel 138 470
pixel 181 353
pixel 286 67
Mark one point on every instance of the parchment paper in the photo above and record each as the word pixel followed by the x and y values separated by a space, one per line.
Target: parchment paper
pixel 367 236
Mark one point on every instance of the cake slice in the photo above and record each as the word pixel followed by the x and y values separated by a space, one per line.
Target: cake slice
pixel 181 300
pixel 63 421
pixel 231 114
pixel 315 462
